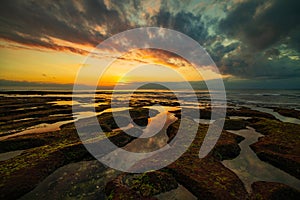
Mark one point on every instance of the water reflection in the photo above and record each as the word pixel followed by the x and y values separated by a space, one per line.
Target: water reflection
pixel 276 114
pixel 250 168
pixel 142 145
pixel 10 154
pixel 154 135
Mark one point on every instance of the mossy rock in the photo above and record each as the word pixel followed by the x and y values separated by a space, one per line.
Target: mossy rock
pixel 79 180
pixel 140 186
pixel 247 112
pixel 280 146
pixel 288 112
pixel 205 178
pixel 273 191
pixel 235 124
pixel 227 146
pixel 25 171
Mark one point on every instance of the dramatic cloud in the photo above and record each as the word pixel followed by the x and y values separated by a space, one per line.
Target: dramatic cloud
pixel 246 38
pixel 33 23
pixel 262 23
pixel 267 34
pixel 156 56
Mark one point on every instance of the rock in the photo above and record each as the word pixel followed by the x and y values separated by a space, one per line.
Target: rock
pixel 235 124
pixel 27 170
pixel 19 143
pixel 288 112
pixel 82 180
pixel 142 112
pixel 172 130
pixel 138 115
pixel 177 113
pixel 273 191
pixel 109 120
pixel 141 121
pixel 205 178
pixel 121 139
pixel 176 194
pixel 140 186
pixel 280 146
pixel 101 108
pixel 247 112
pixel 227 146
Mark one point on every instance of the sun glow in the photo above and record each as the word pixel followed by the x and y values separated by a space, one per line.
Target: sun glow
pixel 60 66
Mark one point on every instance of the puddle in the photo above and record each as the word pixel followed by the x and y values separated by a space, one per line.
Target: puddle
pixel 204 121
pixel 24 119
pixel 40 128
pixel 64 103
pixel 250 168
pixel 10 154
pixel 276 114
pixel 177 194
pixel 239 117
pixel 28 108
pixel 146 145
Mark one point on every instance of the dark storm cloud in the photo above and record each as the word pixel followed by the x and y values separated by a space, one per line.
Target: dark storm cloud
pixel 294 40
pixel 184 22
pixel 34 22
pixel 240 61
pixel 262 23
pixel 259 65
pixel 267 33
pixel 219 50
pixel 37 23
pixel 254 38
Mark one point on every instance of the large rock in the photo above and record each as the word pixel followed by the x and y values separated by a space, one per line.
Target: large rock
pixel 205 178
pixel 140 186
pixel 288 112
pixel 247 112
pixel 82 180
pixel 227 146
pixel 235 124
pixel 273 191
pixel 280 146
pixel 21 174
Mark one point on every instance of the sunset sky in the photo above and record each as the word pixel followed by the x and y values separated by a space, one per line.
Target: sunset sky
pixel 252 42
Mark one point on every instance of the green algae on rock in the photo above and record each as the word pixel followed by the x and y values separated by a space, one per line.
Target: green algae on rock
pixel 262 190
pixel 280 146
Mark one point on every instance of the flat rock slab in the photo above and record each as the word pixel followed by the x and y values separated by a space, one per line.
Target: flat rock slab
pixel 176 194
pixel 85 179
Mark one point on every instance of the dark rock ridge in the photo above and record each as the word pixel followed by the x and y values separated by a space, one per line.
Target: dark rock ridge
pixel 280 146
pixel 205 178
pixel 273 191
pixel 140 186
pixel 53 150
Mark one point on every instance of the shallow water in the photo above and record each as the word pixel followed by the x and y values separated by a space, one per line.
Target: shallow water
pixel 10 154
pixel 45 127
pixel 250 168
pixel 176 194
pixel 40 128
pixel 276 114
pixel 154 138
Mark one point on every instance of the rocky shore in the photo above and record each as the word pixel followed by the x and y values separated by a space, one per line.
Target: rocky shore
pixel 56 165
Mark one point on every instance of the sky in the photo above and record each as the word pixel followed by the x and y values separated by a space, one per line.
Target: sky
pixel 253 43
